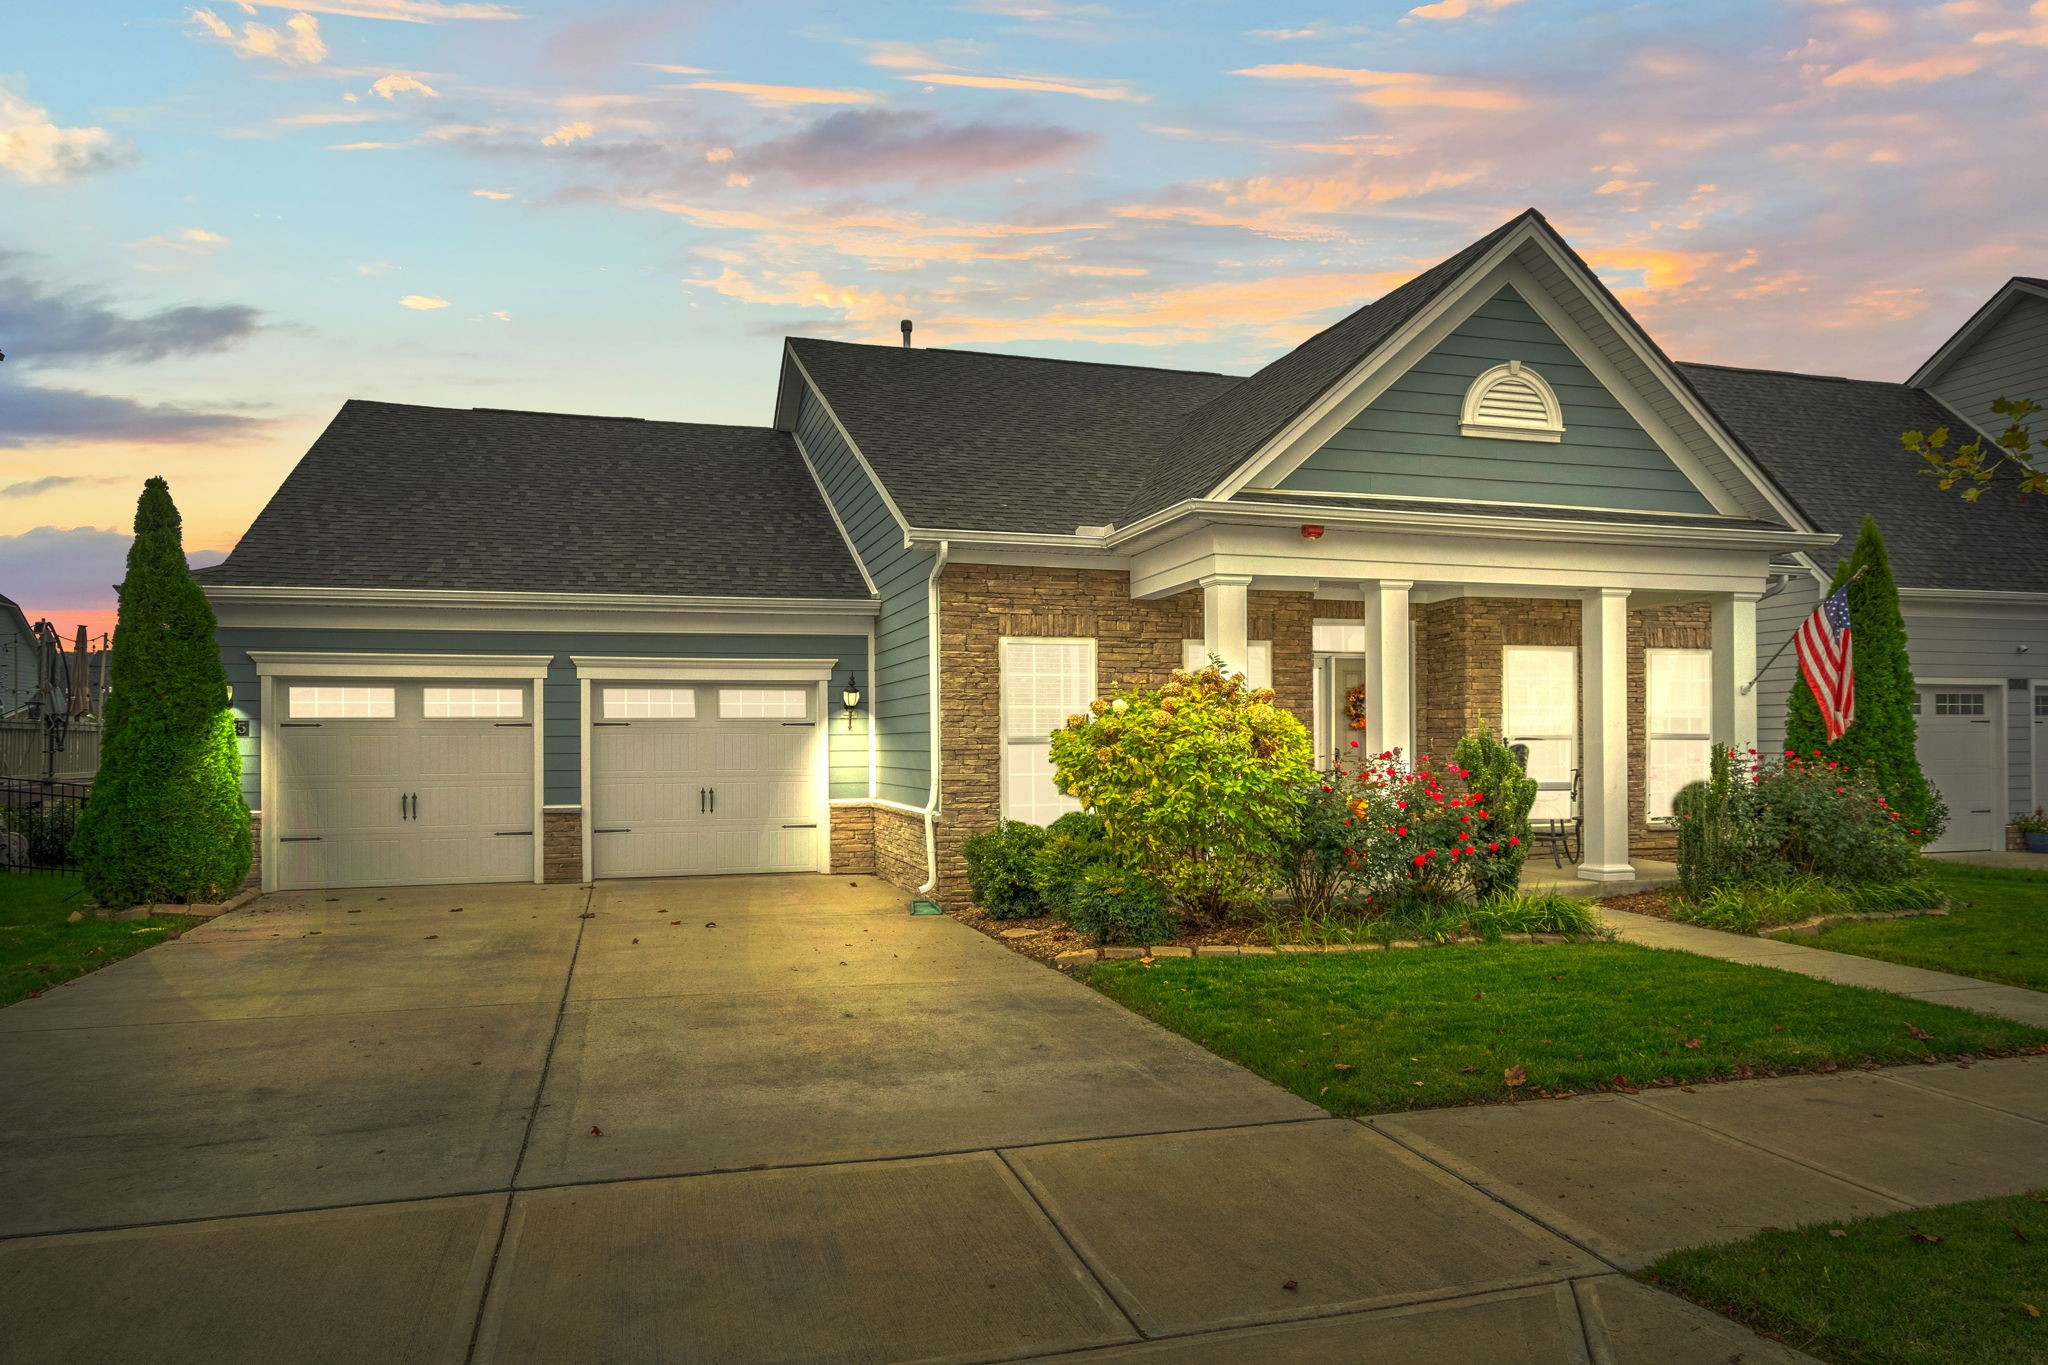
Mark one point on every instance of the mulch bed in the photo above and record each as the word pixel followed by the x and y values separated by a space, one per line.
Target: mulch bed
pixel 1047 937
pixel 1654 903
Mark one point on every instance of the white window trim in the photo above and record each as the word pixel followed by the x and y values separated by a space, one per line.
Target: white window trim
pixel 272 666
pixel 1471 424
pixel 1651 735
pixel 1003 707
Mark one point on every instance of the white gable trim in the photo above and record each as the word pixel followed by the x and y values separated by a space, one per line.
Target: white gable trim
pixel 1340 408
pixel 1966 335
pixel 1482 280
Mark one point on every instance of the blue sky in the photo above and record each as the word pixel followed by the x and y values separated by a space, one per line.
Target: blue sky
pixel 222 220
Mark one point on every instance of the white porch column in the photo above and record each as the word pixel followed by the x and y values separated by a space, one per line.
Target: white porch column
pixel 1603 659
pixel 1226 620
pixel 1734 721
pixel 1389 709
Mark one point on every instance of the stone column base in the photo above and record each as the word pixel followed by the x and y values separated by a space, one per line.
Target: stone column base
pixel 561 852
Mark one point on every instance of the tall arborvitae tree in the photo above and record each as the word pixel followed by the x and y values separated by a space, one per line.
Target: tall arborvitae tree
pixel 166 820
pixel 1883 736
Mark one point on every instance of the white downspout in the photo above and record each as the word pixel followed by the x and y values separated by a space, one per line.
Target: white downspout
pixel 931 801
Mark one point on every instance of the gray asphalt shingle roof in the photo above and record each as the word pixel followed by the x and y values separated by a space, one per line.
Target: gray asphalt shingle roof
pixel 1225 432
pixel 976 440
pixel 398 496
pixel 1833 446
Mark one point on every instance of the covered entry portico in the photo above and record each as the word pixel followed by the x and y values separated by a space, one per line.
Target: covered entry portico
pixel 1444 619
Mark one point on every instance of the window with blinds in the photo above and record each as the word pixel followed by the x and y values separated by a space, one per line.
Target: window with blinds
pixel 1540 708
pixel 1043 682
pixel 1678 704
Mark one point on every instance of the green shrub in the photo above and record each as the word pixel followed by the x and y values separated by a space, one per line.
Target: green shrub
pixel 1882 741
pixel 1073 843
pixel 1746 908
pixel 1549 913
pixel 1758 822
pixel 1320 854
pixel 1198 784
pixel 166 820
pixel 1492 770
pixel 1112 904
pixel 1000 867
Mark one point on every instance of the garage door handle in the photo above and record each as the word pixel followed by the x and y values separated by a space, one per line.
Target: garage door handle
pixel 513 725
pixel 700 800
pixel 611 831
pixel 298 838
pixel 608 722
pixel 804 724
pixel 415 805
pixel 809 826
pixel 298 725
pixel 513 833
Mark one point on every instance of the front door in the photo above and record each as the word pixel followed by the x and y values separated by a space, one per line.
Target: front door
pixel 1340 675
pixel 1959 748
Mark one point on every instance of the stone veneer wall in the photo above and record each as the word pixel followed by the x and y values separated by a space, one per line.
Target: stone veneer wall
pixel 255 877
pixel 1135 642
pixel 853 839
pixel 899 847
pixel 561 851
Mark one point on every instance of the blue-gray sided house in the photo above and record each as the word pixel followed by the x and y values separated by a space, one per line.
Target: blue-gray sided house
pixel 480 644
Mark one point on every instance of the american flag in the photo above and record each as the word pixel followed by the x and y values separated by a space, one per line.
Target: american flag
pixel 1827 658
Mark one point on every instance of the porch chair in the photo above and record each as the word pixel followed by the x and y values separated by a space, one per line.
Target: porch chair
pixel 1563 835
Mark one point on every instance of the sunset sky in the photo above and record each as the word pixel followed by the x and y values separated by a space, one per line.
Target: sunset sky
pixel 218 222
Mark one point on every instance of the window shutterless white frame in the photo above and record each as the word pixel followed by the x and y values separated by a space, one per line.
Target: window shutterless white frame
pixel 341 703
pixel 1678 687
pixel 1338 637
pixel 473 703
pixel 814 674
pixel 275 664
pixel 1056 677
pixel 648 703
pixel 1540 708
pixel 1194 657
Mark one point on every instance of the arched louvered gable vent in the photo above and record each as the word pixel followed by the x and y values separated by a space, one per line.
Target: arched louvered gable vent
pixel 1512 402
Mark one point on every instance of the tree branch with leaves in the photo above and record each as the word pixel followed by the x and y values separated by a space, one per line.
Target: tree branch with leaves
pixel 1974 464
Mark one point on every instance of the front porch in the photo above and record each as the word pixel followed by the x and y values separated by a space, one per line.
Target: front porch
pixel 1541 877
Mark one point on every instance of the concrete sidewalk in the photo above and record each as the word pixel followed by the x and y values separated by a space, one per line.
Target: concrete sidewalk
pixel 775 1119
pixel 1942 988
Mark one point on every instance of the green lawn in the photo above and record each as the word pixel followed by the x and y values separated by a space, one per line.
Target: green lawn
pixel 38 948
pixel 1364 1033
pixel 1996 928
pixel 1871 1293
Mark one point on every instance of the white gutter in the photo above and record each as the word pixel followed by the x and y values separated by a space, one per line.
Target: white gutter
pixel 931 801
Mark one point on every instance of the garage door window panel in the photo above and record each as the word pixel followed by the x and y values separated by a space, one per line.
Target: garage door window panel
pixel 341 703
pixel 650 703
pixel 1043 682
pixel 474 703
pixel 763 703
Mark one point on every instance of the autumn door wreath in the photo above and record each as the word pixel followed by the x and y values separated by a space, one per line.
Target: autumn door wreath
pixel 1354 706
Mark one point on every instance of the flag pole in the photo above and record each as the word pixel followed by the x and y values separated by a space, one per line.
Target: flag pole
pixel 1750 686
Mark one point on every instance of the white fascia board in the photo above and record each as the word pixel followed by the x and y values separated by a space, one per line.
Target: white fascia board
pixel 402 609
pixel 654 668
pixel 902 522
pixel 1968 333
pixel 542 601
pixel 307 663
pixel 1490 562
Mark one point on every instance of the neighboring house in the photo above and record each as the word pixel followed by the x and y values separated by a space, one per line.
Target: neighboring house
pixel 20 658
pixel 1973 577
pixel 484 644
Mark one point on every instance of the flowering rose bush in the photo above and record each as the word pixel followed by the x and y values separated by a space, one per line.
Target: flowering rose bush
pixel 1197 783
pixel 1800 815
pixel 1417 841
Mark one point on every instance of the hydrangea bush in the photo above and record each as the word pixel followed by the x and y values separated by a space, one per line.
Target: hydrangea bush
pixel 1198 783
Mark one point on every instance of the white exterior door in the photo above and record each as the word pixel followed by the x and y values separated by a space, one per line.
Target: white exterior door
pixel 2040 733
pixel 703 779
pixel 383 783
pixel 1959 748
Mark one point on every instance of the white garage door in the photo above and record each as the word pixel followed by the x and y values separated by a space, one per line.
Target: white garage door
pixel 1960 745
pixel 694 779
pixel 383 783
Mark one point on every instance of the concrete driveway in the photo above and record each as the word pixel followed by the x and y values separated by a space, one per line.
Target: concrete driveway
pixel 742 1119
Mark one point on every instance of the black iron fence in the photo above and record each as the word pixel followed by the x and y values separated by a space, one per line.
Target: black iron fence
pixel 37 820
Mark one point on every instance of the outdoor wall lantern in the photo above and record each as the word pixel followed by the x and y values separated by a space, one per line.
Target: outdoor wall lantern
pixel 850 695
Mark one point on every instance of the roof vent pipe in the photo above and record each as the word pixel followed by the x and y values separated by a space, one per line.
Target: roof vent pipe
pixel 906 331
